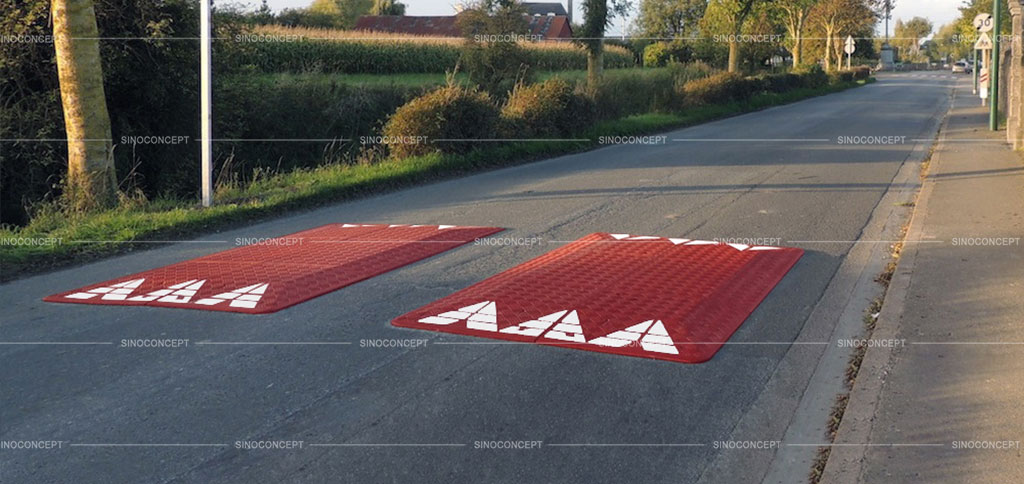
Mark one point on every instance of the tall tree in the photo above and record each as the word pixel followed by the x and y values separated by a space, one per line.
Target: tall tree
pixel 909 34
pixel 794 16
pixel 343 12
pixel 835 18
pixel 387 7
pixel 92 181
pixel 597 15
pixel 729 16
pixel 670 19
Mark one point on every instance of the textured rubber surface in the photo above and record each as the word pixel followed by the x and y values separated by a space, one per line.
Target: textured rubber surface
pixel 665 298
pixel 277 273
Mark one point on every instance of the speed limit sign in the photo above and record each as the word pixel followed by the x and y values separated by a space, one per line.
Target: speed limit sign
pixel 983 22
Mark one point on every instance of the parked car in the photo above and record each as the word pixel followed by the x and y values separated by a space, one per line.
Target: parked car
pixel 961 68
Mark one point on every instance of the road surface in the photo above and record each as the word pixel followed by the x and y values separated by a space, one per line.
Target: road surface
pixel 422 414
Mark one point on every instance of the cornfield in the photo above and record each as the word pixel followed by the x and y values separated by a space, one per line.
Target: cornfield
pixel 299 49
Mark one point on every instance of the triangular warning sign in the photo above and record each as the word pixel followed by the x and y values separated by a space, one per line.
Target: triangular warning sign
pixel 481 316
pixel 243 297
pixel 984 42
pixel 179 293
pixel 114 292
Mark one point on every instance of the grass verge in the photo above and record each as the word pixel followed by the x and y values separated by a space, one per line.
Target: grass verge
pixel 55 239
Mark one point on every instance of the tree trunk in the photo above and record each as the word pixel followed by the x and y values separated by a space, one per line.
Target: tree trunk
pixel 595 66
pixel 828 50
pixel 798 51
pixel 92 182
pixel 798 43
pixel 734 54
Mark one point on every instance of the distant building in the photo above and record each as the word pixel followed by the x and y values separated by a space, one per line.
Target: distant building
pixel 546 20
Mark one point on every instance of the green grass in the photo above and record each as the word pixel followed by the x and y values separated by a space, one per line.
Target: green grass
pixel 86 237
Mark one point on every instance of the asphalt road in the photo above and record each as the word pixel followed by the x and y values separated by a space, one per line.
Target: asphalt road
pixel 419 415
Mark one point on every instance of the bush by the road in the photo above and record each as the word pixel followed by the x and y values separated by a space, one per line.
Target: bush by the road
pixel 813 76
pixel 551 108
pixel 861 72
pixel 447 113
pixel 721 88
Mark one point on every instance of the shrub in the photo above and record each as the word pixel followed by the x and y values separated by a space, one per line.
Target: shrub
pixel 720 88
pixel 660 54
pixel 839 77
pixel 780 83
pixel 496 67
pixel 296 107
pixel 813 76
pixel 633 92
pixel 547 109
pixel 449 112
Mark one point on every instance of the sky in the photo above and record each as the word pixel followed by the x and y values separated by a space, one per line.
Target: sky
pixel 940 12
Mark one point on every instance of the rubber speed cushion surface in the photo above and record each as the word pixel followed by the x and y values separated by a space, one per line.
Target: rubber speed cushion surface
pixel 665 298
pixel 277 273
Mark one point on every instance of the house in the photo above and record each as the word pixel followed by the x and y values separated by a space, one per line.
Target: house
pixel 547 21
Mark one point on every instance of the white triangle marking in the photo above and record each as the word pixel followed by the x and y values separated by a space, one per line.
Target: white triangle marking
pixel 179 293
pixel 535 327
pixel 655 340
pixel 243 297
pixel 568 329
pixel 481 316
pixel 114 292
pixel 619 236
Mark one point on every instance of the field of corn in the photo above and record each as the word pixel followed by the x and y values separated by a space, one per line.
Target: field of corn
pixel 306 50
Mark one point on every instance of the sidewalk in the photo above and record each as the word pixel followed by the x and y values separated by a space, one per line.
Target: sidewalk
pixel 957 299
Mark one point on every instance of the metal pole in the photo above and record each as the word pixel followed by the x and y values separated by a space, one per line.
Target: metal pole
pixel 993 74
pixel 205 103
pixel 975 71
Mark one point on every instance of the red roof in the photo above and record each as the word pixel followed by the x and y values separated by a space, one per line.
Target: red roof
pixel 545 26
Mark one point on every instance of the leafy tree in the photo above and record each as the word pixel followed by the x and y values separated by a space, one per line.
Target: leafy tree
pixel 909 34
pixel 670 19
pixel 597 14
pixel 92 180
pixel 492 55
pixel 343 12
pixel 794 16
pixel 387 7
pixel 728 17
pixel 837 18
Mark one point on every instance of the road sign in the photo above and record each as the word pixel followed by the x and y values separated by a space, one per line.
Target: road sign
pixel 984 42
pixel 851 46
pixel 983 83
pixel 983 22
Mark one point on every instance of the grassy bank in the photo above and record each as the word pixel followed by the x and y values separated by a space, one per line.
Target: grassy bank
pixel 53 238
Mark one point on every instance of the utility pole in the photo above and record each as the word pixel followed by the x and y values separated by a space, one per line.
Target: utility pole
pixel 975 70
pixel 993 117
pixel 205 103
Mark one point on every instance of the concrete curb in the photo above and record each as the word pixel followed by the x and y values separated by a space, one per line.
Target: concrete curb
pixel 845 462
